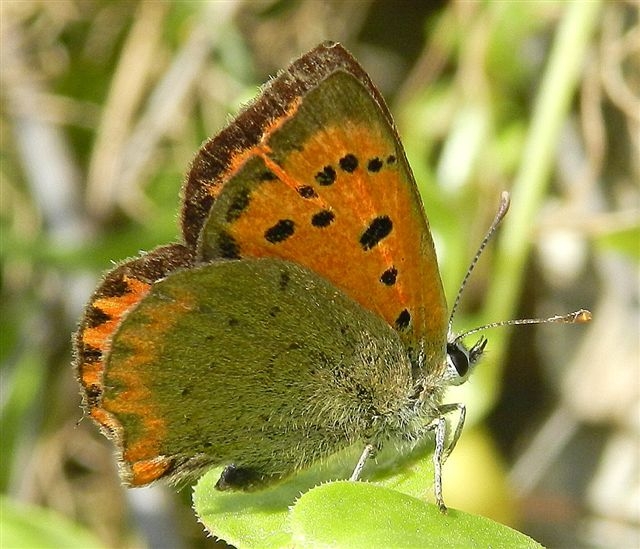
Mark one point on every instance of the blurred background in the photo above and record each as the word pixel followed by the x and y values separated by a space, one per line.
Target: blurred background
pixel 105 103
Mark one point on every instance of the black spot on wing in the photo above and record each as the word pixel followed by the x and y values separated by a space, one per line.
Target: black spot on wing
pixel 326 176
pixel 285 278
pixel 268 175
pixel 227 246
pixel 374 165
pixel 91 354
pixel 378 229
pixel 115 288
pixel 282 230
pixel 403 320
pixel 323 219
pixel 93 393
pixel 389 277
pixel 307 191
pixel 96 317
pixel 238 204
pixel 348 163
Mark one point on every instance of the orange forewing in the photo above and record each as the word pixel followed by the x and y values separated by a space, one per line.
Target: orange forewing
pixel 324 182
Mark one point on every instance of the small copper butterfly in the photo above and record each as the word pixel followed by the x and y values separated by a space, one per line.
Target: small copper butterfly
pixel 301 313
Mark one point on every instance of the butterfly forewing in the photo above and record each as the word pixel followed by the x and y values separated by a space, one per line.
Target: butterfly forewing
pixel 327 186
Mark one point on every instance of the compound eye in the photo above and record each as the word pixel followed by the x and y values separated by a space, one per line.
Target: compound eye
pixel 459 358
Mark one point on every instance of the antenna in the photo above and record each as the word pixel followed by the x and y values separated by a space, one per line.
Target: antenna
pixel 505 200
pixel 577 317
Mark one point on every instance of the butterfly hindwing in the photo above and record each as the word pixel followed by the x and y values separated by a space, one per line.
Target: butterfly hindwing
pixel 121 290
pixel 246 342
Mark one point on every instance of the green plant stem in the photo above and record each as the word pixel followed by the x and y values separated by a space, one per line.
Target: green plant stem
pixel 549 114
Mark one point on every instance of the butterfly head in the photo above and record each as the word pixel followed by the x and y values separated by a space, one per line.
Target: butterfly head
pixel 461 360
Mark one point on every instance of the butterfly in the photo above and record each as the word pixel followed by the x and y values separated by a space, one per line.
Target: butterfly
pixel 301 313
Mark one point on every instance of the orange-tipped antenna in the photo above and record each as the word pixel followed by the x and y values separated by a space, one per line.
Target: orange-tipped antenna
pixel 505 200
pixel 577 317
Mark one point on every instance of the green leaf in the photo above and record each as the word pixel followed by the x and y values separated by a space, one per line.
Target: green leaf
pixel 360 515
pixel 243 519
pixel 388 509
pixel 259 519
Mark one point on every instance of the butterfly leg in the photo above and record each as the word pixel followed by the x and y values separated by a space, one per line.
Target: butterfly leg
pixel 368 451
pixel 442 451
pixel 440 428
pixel 462 414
